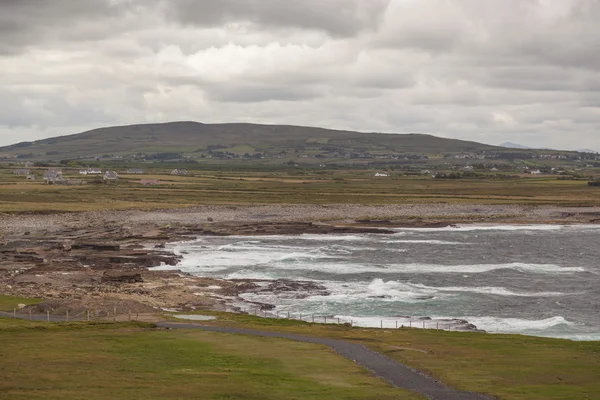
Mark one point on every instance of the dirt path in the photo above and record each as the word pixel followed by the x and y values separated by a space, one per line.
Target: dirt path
pixel 397 374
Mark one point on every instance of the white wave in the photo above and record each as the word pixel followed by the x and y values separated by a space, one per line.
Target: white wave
pixel 469 228
pixel 516 325
pixel 498 291
pixel 333 238
pixel 355 268
pixel 426 242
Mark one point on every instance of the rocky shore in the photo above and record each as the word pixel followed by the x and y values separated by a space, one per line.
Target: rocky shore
pixel 99 260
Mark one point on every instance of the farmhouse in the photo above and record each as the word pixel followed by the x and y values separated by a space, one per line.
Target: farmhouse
pixel 381 174
pixel 90 171
pixel 111 176
pixel 53 175
pixel 21 172
pixel 536 172
pixel 179 172
pixel 134 171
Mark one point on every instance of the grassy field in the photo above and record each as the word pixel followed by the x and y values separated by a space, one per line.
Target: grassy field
pixel 511 367
pixel 8 303
pixel 130 361
pixel 291 187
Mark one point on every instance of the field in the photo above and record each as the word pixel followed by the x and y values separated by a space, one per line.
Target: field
pixel 297 186
pixel 127 361
pixel 103 360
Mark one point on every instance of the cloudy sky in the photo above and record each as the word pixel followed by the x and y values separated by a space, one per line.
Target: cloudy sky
pixel 526 71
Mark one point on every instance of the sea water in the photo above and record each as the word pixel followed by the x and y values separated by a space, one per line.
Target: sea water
pixel 538 280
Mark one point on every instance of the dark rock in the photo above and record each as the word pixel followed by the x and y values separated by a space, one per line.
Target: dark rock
pixel 122 276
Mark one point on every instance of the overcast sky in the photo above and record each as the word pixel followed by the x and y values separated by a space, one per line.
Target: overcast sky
pixel 526 71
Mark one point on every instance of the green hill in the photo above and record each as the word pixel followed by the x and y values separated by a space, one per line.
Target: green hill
pixel 197 138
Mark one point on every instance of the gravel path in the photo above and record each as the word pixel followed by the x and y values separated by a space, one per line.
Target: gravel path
pixel 397 374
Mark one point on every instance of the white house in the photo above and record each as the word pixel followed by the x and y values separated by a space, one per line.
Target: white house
pixel 535 172
pixel 179 172
pixel 111 176
pixel 381 174
pixel 90 171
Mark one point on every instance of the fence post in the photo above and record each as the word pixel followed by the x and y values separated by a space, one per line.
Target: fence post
pixel 313 318
pixel 423 324
pixel 396 324
pixel 410 323
pixel 265 313
pixel 115 314
pixel 437 325
pixel 277 314
pixel 130 315
pixel 381 323
pixel 88 315
pixel 351 323
pixel 30 314
pixel 47 315
pixel 14 313
pixel 338 320
pixel 300 316
pixel 288 315
pixel 67 315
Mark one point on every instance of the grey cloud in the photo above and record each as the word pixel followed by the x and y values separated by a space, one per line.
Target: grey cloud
pixel 339 18
pixel 487 70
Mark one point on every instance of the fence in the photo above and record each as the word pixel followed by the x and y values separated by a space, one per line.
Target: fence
pixel 88 315
pixel 127 315
pixel 387 323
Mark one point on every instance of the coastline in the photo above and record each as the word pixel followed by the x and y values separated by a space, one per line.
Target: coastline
pixel 101 260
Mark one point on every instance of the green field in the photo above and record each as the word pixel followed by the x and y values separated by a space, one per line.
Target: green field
pixel 9 303
pixel 283 187
pixel 131 360
pixel 511 367
pixel 128 361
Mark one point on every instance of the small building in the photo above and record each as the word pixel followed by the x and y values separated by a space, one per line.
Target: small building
pixel 494 169
pixel 468 168
pixel 31 177
pixel 21 171
pixel 90 171
pixel 178 171
pixel 134 171
pixel 535 172
pixel 111 176
pixel 149 182
pixel 425 172
pixel 382 174
pixel 53 176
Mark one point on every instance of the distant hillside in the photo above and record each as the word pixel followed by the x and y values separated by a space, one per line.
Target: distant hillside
pixel 511 145
pixel 197 138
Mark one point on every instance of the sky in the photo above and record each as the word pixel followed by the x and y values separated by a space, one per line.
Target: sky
pixel 492 71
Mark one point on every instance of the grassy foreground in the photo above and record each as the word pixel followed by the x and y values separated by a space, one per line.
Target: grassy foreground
pixel 132 361
pixel 510 367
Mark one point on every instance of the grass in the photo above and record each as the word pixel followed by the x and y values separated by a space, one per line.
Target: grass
pixel 288 187
pixel 133 362
pixel 8 303
pixel 511 367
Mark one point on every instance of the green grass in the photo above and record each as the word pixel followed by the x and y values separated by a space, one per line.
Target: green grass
pixel 8 303
pixel 511 367
pixel 285 187
pixel 130 362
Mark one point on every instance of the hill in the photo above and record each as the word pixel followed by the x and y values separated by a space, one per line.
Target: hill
pixel 196 139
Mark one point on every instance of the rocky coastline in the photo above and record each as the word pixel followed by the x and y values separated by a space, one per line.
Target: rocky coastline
pixel 100 260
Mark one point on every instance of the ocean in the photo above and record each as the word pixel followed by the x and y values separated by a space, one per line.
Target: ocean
pixel 541 280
